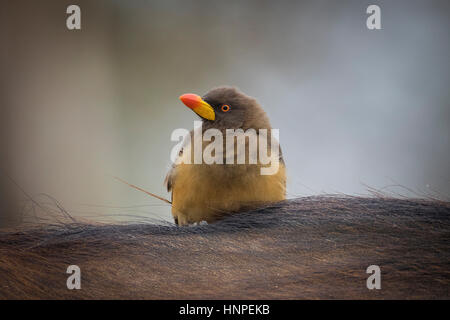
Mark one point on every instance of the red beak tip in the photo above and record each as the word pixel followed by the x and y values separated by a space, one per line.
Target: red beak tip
pixel 190 100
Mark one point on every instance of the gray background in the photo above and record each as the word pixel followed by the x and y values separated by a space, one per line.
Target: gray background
pixel 355 107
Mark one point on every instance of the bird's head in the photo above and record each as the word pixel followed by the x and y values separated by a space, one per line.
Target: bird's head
pixel 227 108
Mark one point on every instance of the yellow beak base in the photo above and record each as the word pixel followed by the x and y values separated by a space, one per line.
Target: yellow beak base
pixel 198 105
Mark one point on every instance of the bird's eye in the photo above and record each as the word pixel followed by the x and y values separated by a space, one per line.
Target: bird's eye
pixel 225 108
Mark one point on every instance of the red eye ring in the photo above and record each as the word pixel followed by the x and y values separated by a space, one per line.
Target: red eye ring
pixel 225 108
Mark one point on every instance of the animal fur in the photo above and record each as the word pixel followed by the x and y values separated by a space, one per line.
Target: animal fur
pixel 307 248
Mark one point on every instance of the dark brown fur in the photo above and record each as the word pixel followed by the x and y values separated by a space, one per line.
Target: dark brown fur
pixel 315 247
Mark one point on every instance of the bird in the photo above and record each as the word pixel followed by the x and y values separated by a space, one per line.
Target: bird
pixel 209 192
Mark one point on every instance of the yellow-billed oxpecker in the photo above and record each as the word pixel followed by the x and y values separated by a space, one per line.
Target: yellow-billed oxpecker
pixel 208 191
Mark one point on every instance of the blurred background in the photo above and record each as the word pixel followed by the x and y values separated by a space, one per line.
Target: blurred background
pixel 357 109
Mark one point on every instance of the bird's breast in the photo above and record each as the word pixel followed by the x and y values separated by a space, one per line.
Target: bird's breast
pixel 206 192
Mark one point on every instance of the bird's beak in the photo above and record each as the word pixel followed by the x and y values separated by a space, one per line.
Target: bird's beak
pixel 198 105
